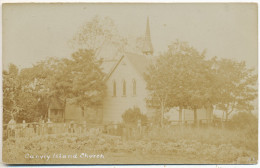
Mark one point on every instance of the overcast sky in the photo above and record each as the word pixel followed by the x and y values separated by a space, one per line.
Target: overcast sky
pixel 32 32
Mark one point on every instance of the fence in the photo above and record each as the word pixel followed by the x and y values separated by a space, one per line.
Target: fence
pixel 127 132
pixel 40 129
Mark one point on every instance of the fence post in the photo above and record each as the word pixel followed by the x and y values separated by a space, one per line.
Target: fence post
pixel 84 127
pixel 43 130
pixel 37 130
pixel 23 128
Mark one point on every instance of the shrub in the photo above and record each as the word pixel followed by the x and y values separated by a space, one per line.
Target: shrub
pixel 243 120
pixel 132 115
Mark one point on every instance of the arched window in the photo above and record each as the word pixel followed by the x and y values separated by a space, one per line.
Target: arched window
pixel 124 88
pixel 134 87
pixel 114 88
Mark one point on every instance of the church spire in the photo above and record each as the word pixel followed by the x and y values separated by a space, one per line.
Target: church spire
pixel 147 46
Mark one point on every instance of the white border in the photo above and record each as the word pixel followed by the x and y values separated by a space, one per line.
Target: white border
pixel 133 1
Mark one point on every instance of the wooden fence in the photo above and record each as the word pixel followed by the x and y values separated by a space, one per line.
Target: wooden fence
pixel 39 129
pixel 125 131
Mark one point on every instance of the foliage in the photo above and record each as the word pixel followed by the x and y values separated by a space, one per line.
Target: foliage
pixel 132 115
pixel 20 102
pixel 245 121
pixel 81 79
pixel 37 81
pixel 27 94
pixel 236 86
pixel 11 84
pixel 94 33
pixel 181 77
pixel 211 145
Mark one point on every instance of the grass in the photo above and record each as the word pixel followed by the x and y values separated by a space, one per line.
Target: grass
pixel 210 135
pixel 176 145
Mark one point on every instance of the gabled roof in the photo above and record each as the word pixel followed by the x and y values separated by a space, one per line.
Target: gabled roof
pixel 139 62
pixel 113 69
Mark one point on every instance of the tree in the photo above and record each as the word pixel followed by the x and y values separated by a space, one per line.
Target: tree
pixel 237 86
pixel 19 101
pixel 182 78
pixel 93 34
pixel 80 79
pixel 11 88
pixel 37 81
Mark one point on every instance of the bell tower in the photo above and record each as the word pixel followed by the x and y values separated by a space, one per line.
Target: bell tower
pixel 147 46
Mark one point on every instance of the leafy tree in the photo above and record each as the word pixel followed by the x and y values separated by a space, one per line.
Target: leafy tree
pixel 11 86
pixel 37 81
pixel 80 79
pixel 237 86
pixel 132 115
pixel 181 77
pixel 19 102
pixel 93 34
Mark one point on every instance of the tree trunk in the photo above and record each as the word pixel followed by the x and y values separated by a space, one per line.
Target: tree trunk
pixel 223 114
pixel 64 107
pixel 162 115
pixel 82 114
pixel 227 114
pixel 195 116
pixel 180 115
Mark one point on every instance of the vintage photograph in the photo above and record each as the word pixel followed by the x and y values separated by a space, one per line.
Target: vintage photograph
pixel 130 83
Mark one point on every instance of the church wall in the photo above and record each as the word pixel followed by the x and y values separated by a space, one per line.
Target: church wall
pixel 115 106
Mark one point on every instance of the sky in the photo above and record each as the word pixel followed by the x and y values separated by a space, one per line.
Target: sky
pixel 33 32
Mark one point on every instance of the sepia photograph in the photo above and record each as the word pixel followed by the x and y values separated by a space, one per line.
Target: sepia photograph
pixel 130 83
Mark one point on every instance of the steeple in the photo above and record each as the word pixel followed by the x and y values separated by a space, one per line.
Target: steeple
pixel 147 46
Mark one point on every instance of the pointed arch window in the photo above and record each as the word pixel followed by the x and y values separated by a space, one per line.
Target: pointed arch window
pixel 134 87
pixel 124 88
pixel 114 88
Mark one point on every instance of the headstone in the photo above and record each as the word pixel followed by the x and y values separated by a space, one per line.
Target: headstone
pixel 24 124
pixel 37 130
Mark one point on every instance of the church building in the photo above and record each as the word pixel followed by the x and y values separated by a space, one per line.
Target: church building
pixel 126 86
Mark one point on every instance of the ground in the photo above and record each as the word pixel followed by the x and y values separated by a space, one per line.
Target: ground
pixel 204 146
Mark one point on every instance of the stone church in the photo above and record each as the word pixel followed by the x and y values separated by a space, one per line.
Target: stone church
pixel 126 86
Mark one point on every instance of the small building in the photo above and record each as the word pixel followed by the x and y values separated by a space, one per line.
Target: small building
pixel 56 110
pixel 203 115
pixel 76 114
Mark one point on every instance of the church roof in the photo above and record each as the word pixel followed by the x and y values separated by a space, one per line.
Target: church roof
pixel 113 55
pixel 139 61
pixel 110 53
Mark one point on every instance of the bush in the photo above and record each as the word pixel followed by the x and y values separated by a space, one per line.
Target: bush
pixel 132 115
pixel 243 120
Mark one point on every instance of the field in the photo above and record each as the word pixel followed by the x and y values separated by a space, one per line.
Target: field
pixel 160 146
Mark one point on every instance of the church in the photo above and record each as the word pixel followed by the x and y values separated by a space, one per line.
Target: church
pixel 126 87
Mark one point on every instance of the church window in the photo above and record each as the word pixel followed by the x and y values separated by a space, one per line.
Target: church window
pixel 134 87
pixel 124 88
pixel 114 88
